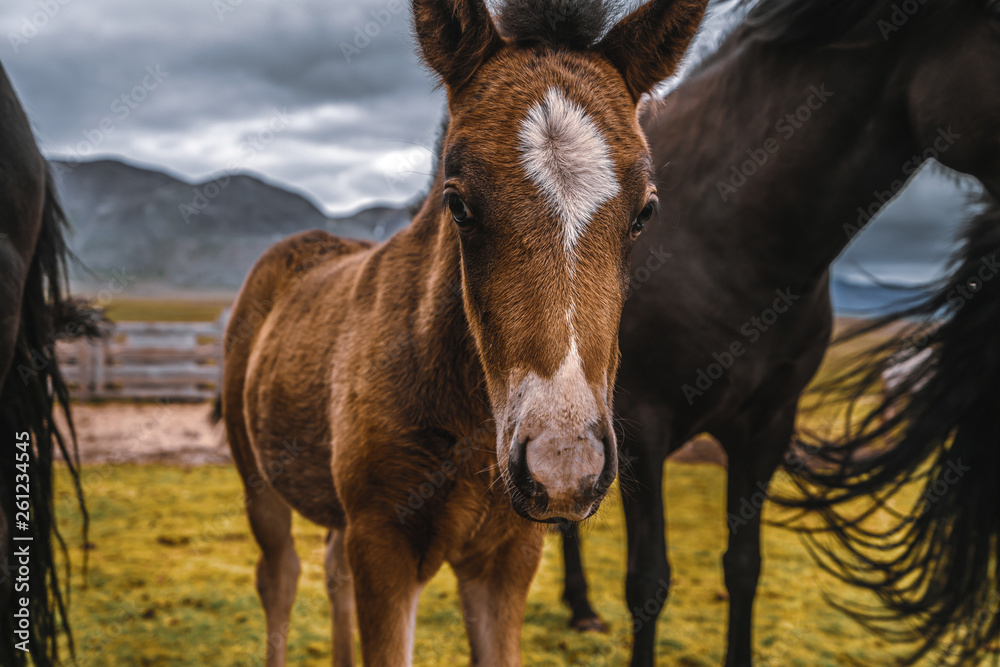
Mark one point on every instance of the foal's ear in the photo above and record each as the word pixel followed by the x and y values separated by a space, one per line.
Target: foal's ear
pixel 647 45
pixel 455 37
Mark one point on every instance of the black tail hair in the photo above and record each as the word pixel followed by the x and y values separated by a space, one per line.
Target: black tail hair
pixel 27 403
pixel 935 568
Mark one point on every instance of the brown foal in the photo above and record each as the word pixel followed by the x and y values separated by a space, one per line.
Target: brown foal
pixel 433 398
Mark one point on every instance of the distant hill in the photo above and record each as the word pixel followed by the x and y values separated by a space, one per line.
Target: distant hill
pixel 172 234
pixel 178 236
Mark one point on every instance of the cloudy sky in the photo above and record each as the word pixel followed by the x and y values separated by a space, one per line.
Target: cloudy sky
pixel 204 86
pixel 293 91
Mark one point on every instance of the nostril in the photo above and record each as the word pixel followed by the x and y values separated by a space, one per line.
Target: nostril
pixel 610 469
pixel 604 482
pixel 517 467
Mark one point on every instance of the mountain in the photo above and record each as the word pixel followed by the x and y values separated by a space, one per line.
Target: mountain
pixel 171 234
pixel 854 298
pixel 177 236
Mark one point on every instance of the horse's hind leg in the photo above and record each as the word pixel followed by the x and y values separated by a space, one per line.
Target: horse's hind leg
pixel 584 619
pixel 647 581
pixel 340 588
pixel 278 567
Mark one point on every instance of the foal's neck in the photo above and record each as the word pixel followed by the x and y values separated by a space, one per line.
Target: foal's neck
pixel 452 377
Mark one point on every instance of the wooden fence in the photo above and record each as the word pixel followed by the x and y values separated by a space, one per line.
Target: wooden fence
pixel 166 360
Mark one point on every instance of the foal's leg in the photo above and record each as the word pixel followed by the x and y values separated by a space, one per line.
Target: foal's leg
pixel 751 466
pixel 386 589
pixel 494 591
pixel 647 581
pixel 340 588
pixel 277 569
pixel 584 619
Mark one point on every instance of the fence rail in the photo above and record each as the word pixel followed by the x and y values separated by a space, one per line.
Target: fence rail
pixel 168 360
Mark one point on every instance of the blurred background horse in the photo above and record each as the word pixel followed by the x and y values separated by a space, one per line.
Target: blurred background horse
pixel 34 313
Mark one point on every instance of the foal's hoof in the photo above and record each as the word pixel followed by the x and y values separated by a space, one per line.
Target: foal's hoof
pixel 589 624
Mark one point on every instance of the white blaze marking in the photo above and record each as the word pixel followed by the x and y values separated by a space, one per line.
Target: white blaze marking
pixel 564 406
pixel 564 154
pixel 563 401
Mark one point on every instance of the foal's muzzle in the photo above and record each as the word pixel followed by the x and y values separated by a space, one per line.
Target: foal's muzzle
pixel 557 476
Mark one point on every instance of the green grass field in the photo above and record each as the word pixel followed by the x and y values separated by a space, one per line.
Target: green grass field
pixel 171 564
pixel 124 309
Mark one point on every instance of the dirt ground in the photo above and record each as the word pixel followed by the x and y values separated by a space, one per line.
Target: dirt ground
pixel 181 434
pixel 174 433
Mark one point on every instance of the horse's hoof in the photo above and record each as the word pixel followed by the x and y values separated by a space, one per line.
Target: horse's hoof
pixel 589 624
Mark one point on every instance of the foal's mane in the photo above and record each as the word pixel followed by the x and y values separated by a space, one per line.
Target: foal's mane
pixel 574 24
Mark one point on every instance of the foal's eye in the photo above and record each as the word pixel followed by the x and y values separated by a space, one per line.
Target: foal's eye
pixel 640 220
pixel 460 212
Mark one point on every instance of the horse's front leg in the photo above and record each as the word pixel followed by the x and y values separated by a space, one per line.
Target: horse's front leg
pixel 386 588
pixel 494 590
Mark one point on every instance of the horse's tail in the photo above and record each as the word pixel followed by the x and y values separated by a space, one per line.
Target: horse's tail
pixel 27 403
pixel 934 564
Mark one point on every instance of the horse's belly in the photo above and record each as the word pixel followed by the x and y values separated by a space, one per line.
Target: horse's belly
pixel 297 466
pixel 290 437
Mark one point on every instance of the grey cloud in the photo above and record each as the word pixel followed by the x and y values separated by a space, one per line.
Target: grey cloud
pixel 226 77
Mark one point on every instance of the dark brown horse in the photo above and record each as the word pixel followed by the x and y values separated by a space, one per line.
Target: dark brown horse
pixel 810 116
pixel 425 397
pixel 33 314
